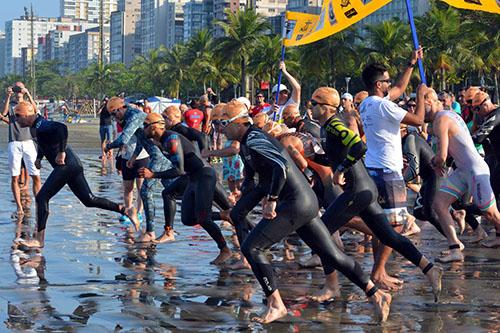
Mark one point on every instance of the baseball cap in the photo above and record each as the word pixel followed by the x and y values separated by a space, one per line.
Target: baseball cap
pixel 282 88
pixel 347 96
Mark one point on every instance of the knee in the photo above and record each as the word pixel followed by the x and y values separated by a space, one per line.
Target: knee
pixel 247 249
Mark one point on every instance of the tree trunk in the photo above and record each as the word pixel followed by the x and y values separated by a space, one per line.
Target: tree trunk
pixel 243 77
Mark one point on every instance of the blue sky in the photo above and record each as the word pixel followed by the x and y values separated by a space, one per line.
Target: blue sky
pixel 15 8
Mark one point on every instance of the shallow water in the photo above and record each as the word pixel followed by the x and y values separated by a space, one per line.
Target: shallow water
pixel 90 279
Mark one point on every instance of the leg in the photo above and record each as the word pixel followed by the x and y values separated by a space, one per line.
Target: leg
pixel 441 205
pixel 138 185
pixel 149 209
pixel 169 195
pixel 128 187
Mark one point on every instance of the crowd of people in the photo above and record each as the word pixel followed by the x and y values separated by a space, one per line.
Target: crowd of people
pixel 316 170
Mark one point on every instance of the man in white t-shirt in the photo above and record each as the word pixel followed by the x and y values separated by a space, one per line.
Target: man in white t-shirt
pixel 381 120
pixel 282 96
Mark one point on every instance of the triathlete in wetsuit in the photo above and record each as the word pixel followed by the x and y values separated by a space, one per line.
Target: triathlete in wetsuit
pixel 344 151
pixel 157 162
pixel 52 144
pixel 290 205
pixel 199 194
pixel 176 187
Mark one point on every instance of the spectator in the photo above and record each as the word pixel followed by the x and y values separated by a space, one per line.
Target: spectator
pixel 260 105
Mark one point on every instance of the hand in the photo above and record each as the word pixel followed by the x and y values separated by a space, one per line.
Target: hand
pixel 145 173
pixel 106 149
pixel 338 178
pixel 205 153
pixel 417 54
pixel 422 90
pixel 38 163
pixel 283 66
pixel 438 164
pixel 25 91
pixel 60 158
pixel 130 163
pixel 269 209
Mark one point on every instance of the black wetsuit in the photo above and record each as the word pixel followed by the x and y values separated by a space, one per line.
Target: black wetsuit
pixel 199 192
pixel 177 187
pixel 419 155
pixel 308 126
pixel 52 139
pixel 297 210
pixel 344 150
pixel 488 135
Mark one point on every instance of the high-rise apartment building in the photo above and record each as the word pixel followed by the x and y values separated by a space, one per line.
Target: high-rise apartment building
pixel 87 10
pixel 124 42
pixel 2 54
pixel 18 36
pixel 83 49
pixel 397 8
pixel 220 7
pixel 198 15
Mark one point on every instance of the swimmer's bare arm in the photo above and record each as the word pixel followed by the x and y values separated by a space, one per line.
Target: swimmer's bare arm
pixel 292 146
pixel 441 130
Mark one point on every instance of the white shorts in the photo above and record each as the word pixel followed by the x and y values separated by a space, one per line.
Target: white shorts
pixel 22 150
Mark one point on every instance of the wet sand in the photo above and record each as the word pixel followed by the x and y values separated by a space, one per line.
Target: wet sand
pixel 90 279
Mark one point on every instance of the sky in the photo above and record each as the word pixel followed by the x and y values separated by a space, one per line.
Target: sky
pixel 14 8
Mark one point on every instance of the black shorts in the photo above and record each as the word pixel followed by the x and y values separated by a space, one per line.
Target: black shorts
pixel 131 174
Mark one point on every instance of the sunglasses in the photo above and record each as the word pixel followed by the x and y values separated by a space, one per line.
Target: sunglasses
pixel 146 125
pixel 113 112
pixel 259 96
pixel 389 81
pixel 412 105
pixel 478 107
pixel 314 103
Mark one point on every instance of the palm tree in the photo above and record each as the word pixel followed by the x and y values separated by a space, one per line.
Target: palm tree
pixel 99 79
pixel 150 70
pixel 389 44
pixel 200 56
pixel 175 69
pixel 243 30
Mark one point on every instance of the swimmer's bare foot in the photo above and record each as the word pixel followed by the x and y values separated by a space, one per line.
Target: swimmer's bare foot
pixel 276 309
pixel 411 230
pixel 492 243
pixel 479 235
pixel 146 237
pixel 459 217
pixel 17 214
pixel 435 275
pixel 454 255
pixel 240 264
pixel 223 256
pixel 132 215
pixel 32 243
pixel 387 282
pixel 166 236
pixel 312 262
pixel 382 303
pixel 330 290
pixel 447 252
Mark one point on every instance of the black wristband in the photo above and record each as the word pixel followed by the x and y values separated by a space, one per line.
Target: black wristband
pixel 411 65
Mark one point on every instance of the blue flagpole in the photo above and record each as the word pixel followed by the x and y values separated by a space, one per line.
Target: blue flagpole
pixel 283 35
pixel 415 40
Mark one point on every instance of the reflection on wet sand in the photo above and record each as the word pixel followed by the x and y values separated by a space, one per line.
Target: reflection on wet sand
pixel 91 276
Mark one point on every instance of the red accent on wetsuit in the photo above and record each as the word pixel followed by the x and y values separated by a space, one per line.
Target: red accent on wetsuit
pixel 194 118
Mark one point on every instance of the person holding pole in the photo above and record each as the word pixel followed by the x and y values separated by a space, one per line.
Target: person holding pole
pixel 282 97
pixel 381 120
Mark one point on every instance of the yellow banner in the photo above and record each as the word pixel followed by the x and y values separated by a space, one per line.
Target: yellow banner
pixel 335 16
pixel 492 6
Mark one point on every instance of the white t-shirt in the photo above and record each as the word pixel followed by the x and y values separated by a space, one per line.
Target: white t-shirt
pixel 279 114
pixel 381 121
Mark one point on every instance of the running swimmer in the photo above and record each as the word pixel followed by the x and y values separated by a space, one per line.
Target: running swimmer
pixel 471 175
pixel 289 205
pixel 344 151
pixel 199 193
pixel 52 144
